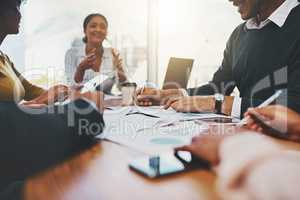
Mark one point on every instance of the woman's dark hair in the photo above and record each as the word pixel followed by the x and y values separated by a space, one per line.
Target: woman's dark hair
pixel 88 19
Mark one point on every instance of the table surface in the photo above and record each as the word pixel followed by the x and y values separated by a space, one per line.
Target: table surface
pixel 101 172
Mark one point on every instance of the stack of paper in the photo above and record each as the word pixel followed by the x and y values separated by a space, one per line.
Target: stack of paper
pixel 152 134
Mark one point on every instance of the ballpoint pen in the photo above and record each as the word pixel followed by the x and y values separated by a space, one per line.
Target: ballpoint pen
pixel 264 104
pixel 141 113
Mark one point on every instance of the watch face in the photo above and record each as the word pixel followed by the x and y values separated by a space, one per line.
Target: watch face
pixel 219 97
pixel 218 103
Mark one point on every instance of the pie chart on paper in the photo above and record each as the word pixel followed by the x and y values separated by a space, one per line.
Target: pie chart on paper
pixel 166 141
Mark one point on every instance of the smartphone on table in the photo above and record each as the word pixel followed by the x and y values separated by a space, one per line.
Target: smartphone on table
pixel 167 164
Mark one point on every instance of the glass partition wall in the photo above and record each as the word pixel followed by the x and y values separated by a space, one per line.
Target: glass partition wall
pixel 146 32
pixel 196 29
pixel 52 27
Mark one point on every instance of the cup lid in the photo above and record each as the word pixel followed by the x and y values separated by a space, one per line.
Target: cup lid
pixel 129 84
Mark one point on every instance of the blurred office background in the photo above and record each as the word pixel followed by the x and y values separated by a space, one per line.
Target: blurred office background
pixel 146 32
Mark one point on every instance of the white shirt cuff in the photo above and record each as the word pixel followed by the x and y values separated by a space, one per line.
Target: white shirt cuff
pixel 236 107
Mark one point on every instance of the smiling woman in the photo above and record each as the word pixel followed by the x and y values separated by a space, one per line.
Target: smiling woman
pixel 90 58
pixel 55 26
pixel 90 25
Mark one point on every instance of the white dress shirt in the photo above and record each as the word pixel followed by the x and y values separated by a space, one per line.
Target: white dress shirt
pixel 75 56
pixel 278 17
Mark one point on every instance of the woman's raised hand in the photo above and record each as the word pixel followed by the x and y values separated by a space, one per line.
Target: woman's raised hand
pixel 89 61
pixel 118 65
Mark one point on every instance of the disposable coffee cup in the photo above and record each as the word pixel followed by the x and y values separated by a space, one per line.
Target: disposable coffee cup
pixel 128 90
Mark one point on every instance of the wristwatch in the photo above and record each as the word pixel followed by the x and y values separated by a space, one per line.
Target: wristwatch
pixel 219 99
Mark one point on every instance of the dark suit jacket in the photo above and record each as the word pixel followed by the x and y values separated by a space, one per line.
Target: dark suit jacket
pixel 32 142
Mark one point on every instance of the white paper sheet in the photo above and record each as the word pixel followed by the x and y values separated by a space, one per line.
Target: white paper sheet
pixel 149 134
pixel 161 139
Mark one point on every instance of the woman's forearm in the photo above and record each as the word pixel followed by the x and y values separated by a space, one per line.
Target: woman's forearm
pixel 54 94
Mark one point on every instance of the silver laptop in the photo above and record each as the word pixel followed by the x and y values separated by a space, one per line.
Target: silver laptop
pixel 178 73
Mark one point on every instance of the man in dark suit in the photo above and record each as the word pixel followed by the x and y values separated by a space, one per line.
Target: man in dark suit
pixel 262 55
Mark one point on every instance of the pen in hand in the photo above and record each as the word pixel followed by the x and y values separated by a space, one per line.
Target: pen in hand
pixel 264 104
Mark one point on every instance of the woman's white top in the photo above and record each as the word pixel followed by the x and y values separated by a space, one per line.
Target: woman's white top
pixel 77 53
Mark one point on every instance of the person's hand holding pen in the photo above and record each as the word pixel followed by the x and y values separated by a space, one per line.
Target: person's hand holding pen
pixel 146 96
pixel 267 102
pixel 276 117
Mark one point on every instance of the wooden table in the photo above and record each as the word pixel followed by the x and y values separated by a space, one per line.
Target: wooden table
pixel 101 173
